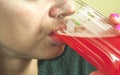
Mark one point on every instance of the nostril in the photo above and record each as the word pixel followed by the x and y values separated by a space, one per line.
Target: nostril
pixel 65 9
pixel 70 11
pixel 54 11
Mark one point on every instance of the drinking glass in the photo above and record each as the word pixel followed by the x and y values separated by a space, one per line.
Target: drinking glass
pixel 90 35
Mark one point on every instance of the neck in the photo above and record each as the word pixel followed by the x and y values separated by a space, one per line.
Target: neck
pixel 15 66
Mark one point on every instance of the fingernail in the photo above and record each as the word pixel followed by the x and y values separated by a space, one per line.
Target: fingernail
pixel 115 15
pixel 117 27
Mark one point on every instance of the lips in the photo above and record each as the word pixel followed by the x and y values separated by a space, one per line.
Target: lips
pixel 55 40
pixel 53 34
pixel 61 27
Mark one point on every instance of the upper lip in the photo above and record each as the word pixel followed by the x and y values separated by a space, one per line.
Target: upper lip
pixel 52 34
pixel 61 27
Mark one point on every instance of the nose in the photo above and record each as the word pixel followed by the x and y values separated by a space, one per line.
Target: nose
pixel 63 10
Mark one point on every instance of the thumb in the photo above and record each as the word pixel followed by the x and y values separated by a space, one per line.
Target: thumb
pixel 114 19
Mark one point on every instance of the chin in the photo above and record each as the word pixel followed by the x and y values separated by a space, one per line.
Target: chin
pixel 57 55
pixel 54 54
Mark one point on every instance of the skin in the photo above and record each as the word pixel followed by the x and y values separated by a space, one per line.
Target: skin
pixel 114 19
pixel 26 34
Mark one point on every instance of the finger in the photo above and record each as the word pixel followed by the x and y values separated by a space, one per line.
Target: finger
pixel 117 27
pixel 96 73
pixel 114 19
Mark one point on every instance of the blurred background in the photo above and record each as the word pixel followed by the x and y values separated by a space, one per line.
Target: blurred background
pixel 106 7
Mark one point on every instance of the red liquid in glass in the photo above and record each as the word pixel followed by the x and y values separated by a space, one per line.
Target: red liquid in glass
pixel 103 53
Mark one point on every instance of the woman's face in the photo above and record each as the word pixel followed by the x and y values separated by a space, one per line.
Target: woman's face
pixel 26 28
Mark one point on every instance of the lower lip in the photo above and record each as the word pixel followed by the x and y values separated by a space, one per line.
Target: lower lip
pixel 53 34
pixel 55 40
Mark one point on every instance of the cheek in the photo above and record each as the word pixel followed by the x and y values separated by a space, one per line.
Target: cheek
pixel 23 23
pixel 16 30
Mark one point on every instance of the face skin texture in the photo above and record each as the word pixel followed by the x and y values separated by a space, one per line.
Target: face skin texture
pixel 26 33
pixel 25 26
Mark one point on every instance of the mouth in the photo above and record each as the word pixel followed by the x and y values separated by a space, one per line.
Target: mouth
pixel 53 34
pixel 54 39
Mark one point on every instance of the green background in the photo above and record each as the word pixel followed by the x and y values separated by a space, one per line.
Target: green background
pixel 106 7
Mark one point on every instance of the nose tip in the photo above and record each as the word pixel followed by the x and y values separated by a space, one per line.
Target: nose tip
pixel 70 10
pixel 66 9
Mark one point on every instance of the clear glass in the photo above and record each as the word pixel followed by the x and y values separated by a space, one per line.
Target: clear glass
pixel 90 35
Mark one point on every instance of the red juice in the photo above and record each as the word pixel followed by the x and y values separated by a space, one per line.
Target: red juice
pixel 101 52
